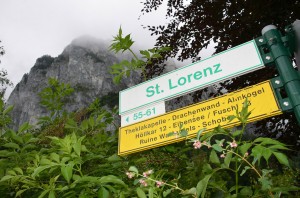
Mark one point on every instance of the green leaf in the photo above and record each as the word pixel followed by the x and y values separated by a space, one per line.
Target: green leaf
pixel 246 191
pixel 244 148
pixel 140 193
pixel 45 161
pixel 278 146
pixel 111 179
pixel 244 114
pixel 257 152
pixel 156 56
pixel 151 192
pixel 220 129
pixel 84 125
pixel 51 194
pixel 28 147
pixel 11 172
pixel 8 109
pixel 191 191
pixel 217 147
pixel 40 169
pixel 125 63
pixel 165 49
pixel 227 159
pixel 6 177
pixel 207 169
pixel 213 157
pixel 18 194
pixel 117 79
pixel 11 145
pixel 19 170
pixel 231 117
pixel 114 158
pixel 33 140
pixel 91 122
pixel 183 133
pixel 24 127
pixel 265 141
pixel 120 31
pixel 266 184
pixel 267 153
pixel 236 133
pixel 146 53
pixel 83 148
pixel 6 153
pixel 133 169
pixel 282 158
pixel 103 193
pixel 43 193
pixel 121 195
pixel 54 157
pixel 245 170
pixel 127 73
pixel 202 185
pixel 167 192
pixel 76 177
pixel 70 124
pixel 16 137
pixel 65 159
pixel 77 148
pixel 67 171
pixel 285 189
pixel 200 132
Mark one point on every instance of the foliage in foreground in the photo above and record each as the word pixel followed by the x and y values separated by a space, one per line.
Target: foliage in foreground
pixel 74 155
pixel 233 168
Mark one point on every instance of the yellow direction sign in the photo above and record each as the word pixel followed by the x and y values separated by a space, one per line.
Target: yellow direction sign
pixel 208 114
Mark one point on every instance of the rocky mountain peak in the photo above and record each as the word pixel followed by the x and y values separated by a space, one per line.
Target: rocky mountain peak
pixel 84 64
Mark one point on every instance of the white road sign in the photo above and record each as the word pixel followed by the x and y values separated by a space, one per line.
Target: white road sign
pixel 234 62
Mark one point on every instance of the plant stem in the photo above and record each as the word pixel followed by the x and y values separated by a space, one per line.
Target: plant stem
pixel 143 70
pixel 133 54
pixel 236 162
pixel 176 187
pixel 236 177
pixel 252 167
pixel 244 159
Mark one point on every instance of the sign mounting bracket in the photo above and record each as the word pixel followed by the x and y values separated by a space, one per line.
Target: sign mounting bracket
pixel 266 55
pixel 284 103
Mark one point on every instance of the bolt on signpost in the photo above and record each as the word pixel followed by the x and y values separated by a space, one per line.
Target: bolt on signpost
pixel 289 78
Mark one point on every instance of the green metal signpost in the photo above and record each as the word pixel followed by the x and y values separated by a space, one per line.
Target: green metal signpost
pixel 280 50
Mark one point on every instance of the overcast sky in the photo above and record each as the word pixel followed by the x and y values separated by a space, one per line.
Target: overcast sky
pixel 32 28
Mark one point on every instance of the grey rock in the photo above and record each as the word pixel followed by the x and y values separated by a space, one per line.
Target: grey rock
pixel 84 64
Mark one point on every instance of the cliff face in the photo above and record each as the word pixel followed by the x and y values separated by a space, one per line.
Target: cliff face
pixel 84 64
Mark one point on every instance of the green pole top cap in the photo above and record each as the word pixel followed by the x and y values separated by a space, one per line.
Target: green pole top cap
pixel 267 28
pixel 296 27
pixel 296 24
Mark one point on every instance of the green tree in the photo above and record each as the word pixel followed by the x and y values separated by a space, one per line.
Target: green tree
pixel 4 81
pixel 193 25
pixel 5 119
pixel 53 98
